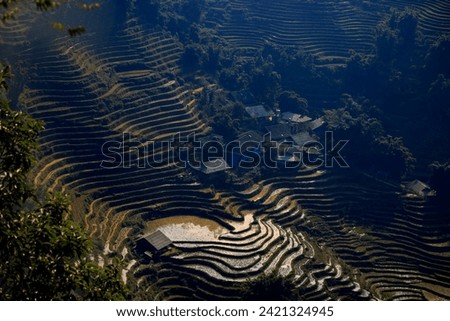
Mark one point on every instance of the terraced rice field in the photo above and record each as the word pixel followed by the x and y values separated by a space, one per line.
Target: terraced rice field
pixel 405 240
pixel 321 28
pixel 345 242
pixel 88 96
pixel 337 235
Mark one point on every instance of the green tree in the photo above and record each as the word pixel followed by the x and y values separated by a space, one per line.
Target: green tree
pixel 43 254
pixel 440 180
pixel 292 102
pixel 10 8
pixel 369 147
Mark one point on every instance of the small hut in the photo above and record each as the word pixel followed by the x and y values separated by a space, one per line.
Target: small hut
pixel 419 188
pixel 154 243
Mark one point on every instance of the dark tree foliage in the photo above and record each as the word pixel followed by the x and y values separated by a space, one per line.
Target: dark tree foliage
pixel 191 58
pixel 396 38
pixel 40 4
pixel 10 8
pixel 391 73
pixel 76 31
pixel 291 63
pixel 436 60
pixel 369 147
pixel 271 287
pixel 265 83
pixel 208 58
pixel 440 180
pixel 224 114
pixel 191 10
pixel 43 254
pixel 406 77
pixel 177 16
pixel 5 73
pixel 233 79
pixel 439 98
pixel 393 78
pixel 290 101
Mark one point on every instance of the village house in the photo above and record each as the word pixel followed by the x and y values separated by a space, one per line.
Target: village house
pixel 153 244
pixel 214 166
pixel 419 188
pixel 258 112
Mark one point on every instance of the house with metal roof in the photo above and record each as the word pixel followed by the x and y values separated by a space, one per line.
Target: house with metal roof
pixel 258 111
pixel 248 144
pixel 286 153
pixel 250 137
pixel 214 166
pixel 153 243
pixel 303 138
pixel 279 131
pixel 316 123
pixel 295 118
pixel 419 188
